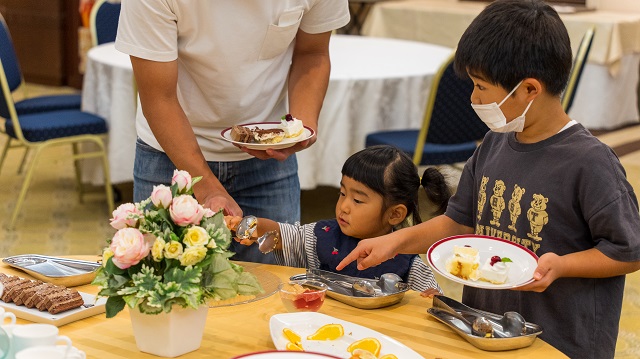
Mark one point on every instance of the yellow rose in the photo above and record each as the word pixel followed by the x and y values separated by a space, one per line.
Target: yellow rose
pixel 106 255
pixel 158 249
pixel 172 249
pixel 193 255
pixel 196 236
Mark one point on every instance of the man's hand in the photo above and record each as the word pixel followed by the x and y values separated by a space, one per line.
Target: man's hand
pixel 549 269
pixel 279 155
pixel 220 201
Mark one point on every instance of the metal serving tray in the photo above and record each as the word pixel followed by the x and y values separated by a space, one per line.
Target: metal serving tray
pixel 442 308
pixel 339 288
pixel 56 270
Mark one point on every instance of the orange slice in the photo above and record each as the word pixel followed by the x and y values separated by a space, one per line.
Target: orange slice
pixel 371 345
pixel 292 336
pixel 362 354
pixel 327 332
pixel 294 347
pixel 388 356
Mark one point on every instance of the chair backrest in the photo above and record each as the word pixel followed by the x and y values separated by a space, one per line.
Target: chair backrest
pixel 449 117
pixel 576 69
pixel 10 74
pixel 104 22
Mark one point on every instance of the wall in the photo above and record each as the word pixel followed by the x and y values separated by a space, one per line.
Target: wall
pixel 616 5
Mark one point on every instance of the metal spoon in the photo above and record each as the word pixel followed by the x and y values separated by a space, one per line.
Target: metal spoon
pixel 363 288
pixel 267 242
pixel 246 227
pixel 513 324
pixel 389 282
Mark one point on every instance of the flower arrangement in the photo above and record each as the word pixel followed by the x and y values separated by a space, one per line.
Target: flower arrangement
pixel 169 250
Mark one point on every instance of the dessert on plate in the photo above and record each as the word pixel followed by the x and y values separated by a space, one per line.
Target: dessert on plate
pixel 291 126
pixel 256 135
pixel 465 264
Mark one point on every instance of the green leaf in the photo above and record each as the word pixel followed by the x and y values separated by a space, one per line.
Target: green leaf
pixel 114 305
pixel 112 268
pixel 248 284
pixel 505 260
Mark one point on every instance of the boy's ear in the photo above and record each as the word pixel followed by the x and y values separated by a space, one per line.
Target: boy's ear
pixel 533 88
pixel 396 214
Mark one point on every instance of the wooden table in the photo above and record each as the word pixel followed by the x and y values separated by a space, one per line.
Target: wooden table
pixel 244 328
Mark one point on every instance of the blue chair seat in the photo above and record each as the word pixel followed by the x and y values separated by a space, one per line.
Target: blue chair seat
pixel 432 154
pixel 45 126
pixel 48 103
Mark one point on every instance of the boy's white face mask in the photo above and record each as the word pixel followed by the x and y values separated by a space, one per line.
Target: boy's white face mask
pixel 492 115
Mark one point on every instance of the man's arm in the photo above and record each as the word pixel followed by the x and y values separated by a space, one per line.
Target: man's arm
pixel 308 82
pixel 412 240
pixel 157 87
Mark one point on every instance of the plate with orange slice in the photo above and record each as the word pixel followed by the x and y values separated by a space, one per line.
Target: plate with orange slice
pixel 321 333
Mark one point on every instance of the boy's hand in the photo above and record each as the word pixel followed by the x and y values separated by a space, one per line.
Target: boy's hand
pixel 369 253
pixel 548 270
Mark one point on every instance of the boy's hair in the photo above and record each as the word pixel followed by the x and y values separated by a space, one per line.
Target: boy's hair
pixel 392 174
pixel 511 40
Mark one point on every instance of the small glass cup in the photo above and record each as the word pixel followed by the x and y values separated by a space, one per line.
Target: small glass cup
pixel 302 295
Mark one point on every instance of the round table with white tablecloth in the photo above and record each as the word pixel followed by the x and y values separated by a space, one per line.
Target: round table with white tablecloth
pixel 375 84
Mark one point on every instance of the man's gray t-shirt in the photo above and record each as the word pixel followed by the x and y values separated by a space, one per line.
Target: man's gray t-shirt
pixel 565 194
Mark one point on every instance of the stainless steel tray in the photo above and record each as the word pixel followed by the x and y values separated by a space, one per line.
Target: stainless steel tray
pixel 441 310
pixel 56 270
pixel 340 290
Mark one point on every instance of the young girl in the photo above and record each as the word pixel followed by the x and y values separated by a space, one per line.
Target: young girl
pixel 378 193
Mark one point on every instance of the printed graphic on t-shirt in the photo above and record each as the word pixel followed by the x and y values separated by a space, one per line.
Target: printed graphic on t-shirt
pixel 497 202
pixel 482 196
pixel 514 206
pixel 537 216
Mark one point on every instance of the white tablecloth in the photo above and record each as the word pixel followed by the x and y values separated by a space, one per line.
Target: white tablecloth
pixel 606 97
pixel 375 84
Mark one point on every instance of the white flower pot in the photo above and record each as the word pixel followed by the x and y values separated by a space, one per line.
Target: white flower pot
pixel 169 335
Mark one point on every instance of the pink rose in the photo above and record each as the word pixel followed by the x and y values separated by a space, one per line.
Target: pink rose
pixel 161 196
pixel 185 210
pixel 182 179
pixel 126 215
pixel 129 246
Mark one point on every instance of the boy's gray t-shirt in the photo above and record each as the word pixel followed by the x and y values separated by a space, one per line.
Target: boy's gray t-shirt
pixel 565 194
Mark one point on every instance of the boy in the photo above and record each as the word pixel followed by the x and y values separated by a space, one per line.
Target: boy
pixel 578 212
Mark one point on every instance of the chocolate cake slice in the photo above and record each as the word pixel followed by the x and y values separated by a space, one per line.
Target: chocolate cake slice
pixel 70 300
pixel 41 295
pixel 9 287
pixel 16 290
pixel 28 292
pixel 241 134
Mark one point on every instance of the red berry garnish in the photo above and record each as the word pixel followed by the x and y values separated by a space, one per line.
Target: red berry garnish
pixel 466 245
pixel 495 259
pixel 288 117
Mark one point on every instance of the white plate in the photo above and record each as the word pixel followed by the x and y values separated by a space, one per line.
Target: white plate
pixel 287 142
pixel 283 354
pixel 306 323
pixel 524 261
pixel 34 315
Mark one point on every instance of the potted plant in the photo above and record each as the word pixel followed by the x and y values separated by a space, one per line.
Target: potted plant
pixel 167 260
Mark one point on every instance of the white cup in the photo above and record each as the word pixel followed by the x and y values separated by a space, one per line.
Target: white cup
pixel 34 335
pixel 41 352
pixel 4 315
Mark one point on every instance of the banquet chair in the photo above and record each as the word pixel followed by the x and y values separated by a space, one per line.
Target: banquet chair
pixel 103 22
pixel 28 105
pixel 450 129
pixel 579 62
pixel 42 130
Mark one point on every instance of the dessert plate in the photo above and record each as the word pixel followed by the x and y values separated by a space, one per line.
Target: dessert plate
pixel 306 323
pixel 91 307
pixel 524 261
pixel 307 133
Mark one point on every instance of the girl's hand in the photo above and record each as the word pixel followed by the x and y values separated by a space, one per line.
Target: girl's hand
pixel 549 269
pixel 232 222
pixel 429 293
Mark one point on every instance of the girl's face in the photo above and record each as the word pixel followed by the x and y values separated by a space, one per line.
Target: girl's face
pixel 359 210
